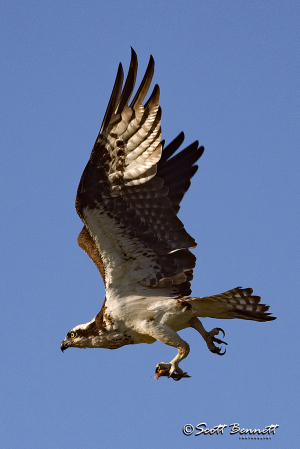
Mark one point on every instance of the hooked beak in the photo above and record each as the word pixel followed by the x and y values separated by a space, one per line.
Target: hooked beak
pixel 64 345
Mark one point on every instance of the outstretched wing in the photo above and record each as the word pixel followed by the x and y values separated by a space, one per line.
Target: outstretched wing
pixel 129 194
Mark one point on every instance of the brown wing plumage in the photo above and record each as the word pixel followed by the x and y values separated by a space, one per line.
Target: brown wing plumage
pixel 132 180
pixel 86 242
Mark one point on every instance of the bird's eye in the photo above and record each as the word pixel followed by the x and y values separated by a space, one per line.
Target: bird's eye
pixel 72 335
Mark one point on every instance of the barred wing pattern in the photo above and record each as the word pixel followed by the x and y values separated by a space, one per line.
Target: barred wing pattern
pixel 130 192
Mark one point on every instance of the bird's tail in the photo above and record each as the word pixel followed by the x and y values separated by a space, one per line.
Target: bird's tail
pixel 236 303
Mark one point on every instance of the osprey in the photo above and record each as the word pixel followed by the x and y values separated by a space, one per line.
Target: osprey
pixel 128 199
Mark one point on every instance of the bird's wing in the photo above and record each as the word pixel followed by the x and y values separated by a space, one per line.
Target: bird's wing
pixel 130 191
pixel 88 245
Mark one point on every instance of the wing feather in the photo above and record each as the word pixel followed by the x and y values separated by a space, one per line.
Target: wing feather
pixel 86 242
pixel 114 98
pixel 129 194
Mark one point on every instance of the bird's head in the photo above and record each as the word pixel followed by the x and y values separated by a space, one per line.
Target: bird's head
pixel 73 338
pixel 85 336
pixel 91 335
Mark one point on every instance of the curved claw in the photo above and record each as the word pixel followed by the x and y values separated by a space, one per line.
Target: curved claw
pixel 219 329
pixel 222 353
pixel 177 376
pixel 212 340
pixel 220 342
pixel 218 351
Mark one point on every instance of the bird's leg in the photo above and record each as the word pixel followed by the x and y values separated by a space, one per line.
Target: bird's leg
pixel 209 337
pixel 165 334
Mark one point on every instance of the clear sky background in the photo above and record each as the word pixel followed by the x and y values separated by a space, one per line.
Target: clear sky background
pixel 229 76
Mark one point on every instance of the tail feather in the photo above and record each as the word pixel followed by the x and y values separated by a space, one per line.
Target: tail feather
pixel 236 303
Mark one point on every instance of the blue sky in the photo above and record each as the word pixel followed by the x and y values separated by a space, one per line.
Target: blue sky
pixel 229 77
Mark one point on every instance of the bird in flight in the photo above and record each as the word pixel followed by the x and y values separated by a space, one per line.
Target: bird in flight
pixel 128 199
